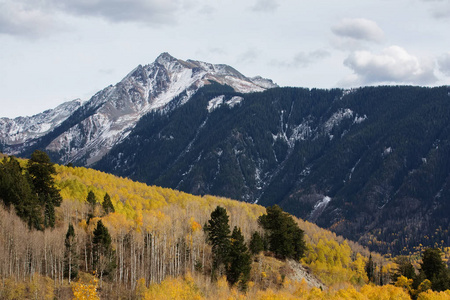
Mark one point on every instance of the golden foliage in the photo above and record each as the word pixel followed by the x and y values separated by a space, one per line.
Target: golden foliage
pixel 85 291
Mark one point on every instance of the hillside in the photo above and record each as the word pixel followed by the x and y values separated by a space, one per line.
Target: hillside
pixel 154 247
pixel 156 233
pixel 348 160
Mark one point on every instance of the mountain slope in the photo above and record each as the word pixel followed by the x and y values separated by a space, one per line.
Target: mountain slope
pixel 108 117
pixel 371 164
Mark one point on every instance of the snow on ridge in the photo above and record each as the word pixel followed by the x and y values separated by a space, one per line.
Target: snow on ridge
pixel 337 118
pixel 18 130
pixel 234 101
pixel 319 207
pixel 218 101
pixel 215 103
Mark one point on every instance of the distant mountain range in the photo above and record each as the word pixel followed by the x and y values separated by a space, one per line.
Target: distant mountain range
pixel 372 164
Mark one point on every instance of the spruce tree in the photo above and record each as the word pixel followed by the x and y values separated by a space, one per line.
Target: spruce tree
pixel 104 259
pixel 16 189
pixel 107 205
pixel 285 238
pixel 370 269
pixel 41 171
pixel 256 243
pixel 70 255
pixel 239 261
pixel 435 270
pixel 218 235
pixel 91 199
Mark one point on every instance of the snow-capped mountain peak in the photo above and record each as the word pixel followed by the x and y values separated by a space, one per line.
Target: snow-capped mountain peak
pixel 110 115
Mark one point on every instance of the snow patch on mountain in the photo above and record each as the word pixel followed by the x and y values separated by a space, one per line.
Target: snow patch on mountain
pixel 218 101
pixel 337 118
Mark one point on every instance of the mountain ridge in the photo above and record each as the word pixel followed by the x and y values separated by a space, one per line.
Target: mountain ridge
pixel 112 112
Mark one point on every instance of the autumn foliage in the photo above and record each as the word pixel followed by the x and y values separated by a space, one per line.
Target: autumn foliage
pixel 151 245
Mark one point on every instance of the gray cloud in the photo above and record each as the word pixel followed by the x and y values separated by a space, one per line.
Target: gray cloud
pixel 248 56
pixel 440 8
pixel 358 29
pixel 144 11
pixel 303 59
pixel 444 63
pixel 37 18
pixel 265 6
pixel 21 18
pixel 393 65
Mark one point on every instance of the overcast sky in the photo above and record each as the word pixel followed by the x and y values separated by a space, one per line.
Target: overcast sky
pixel 52 51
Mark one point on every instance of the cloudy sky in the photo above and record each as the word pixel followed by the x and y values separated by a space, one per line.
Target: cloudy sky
pixel 53 51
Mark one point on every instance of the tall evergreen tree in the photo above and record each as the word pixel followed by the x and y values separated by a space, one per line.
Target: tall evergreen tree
pixel 239 266
pixel 285 238
pixel 41 171
pixel 107 205
pixel 256 243
pixel 16 190
pixel 104 258
pixel 370 269
pixel 91 198
pixel 70 255
pixel 218 235
pixel 435 270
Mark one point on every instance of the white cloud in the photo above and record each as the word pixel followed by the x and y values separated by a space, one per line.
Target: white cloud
pixel 358 29
pixel 392 65
pixel 265 5
pixel 444 63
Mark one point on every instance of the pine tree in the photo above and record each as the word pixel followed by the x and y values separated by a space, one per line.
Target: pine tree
pixel 104 258
pixel 256 243
pixel 370 269
pixel 218 235
pixel 49 212
pixel 91 199
pixel 434 269
pixel 16 189
pixel 107 205
pixel 70 255
pixel 239 266
pixel 285 238
pixel 41 171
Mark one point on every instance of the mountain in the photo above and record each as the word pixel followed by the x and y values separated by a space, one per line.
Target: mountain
pixel 372 164
pixel 24 130
pixel 83 134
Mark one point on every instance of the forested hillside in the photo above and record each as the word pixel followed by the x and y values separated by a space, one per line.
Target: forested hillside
pixel 371 163
pixel 147 242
